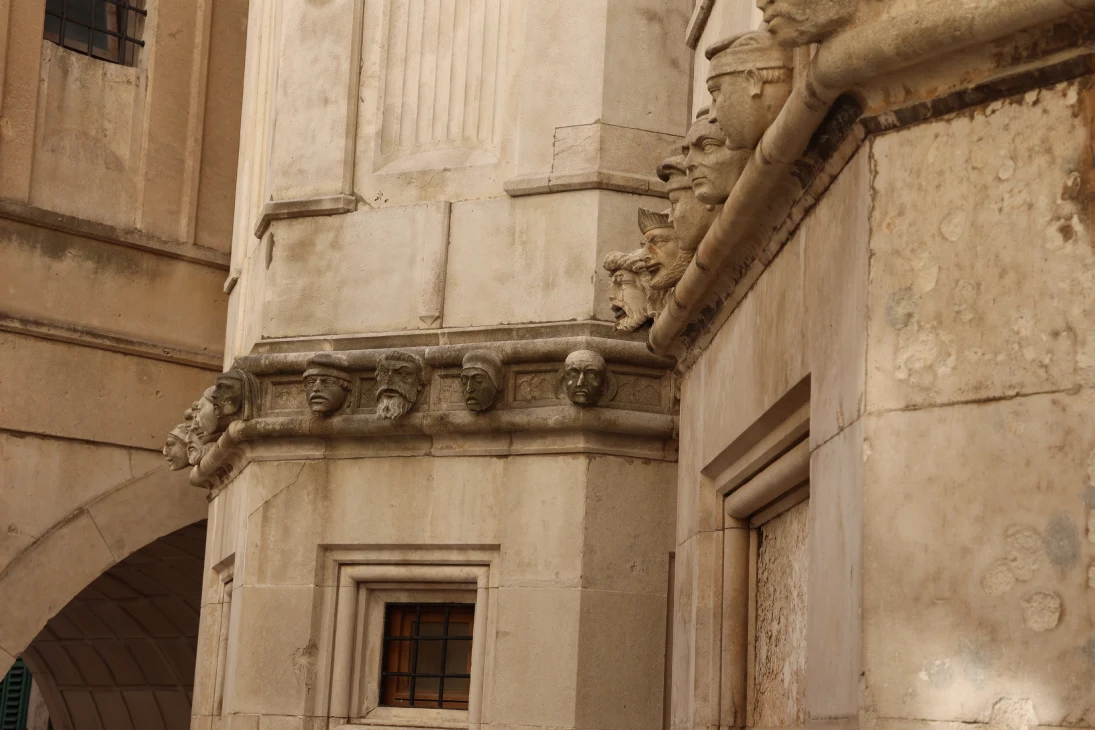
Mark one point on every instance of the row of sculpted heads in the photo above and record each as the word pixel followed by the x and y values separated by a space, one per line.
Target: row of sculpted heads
pixel 233 397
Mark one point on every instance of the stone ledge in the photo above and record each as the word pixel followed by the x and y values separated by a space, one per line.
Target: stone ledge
pixel 304 208
pixel 619 182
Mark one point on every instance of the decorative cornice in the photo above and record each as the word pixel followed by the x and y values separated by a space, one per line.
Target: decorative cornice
pixel 128 237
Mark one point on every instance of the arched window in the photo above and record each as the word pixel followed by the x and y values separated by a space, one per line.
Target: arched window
pixel 107 29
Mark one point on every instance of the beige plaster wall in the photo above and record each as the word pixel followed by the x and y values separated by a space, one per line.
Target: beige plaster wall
pixel 937 299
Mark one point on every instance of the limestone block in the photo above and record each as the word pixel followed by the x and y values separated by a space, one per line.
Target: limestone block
pixel 605 147
pixel 697 631
pixel 834 607
pixel 945 636
pixel 69 279
pixel 60 474
pixel 536 657
pixel 87 145
pixel 271 677
pixel 19 96
pixel 548 247
pixel 629 525
pixel 207 662
pixel 981 256
pixel 316 99
pixel 837 246
pixel 54 571
pixel 364 272
pixel 140 395
pixel 691 498
pixel 621 662
pixel 157 503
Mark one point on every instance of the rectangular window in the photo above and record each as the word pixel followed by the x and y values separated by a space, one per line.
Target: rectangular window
pixel 427 655
pixel 110 30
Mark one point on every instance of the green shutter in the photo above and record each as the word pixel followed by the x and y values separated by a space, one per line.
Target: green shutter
pixel 15 697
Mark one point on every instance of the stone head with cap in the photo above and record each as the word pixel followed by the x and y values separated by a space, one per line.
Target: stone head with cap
pixel 750 80
pixel 713 168
pixel 326 383
pixel 481 379
pixel 634 301
pixel 690 217
pixel 665 262
pixel 801 22
pixel 174 448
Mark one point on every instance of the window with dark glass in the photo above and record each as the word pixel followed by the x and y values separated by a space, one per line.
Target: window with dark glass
pixel 110 30
pixel 427 655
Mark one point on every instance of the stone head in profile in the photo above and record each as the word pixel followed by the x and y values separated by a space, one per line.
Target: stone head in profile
pixel 665 262
pixel 634 301
pixel 400 377
pixel 326 384
pixel 750 80
pixel 713 168
pixel 800 22
pixel 691 218
pixel 235 397
pixel 174 448
pixel 480 380
pixel 585 377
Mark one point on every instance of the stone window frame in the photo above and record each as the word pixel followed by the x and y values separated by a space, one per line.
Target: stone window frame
pixel 358 583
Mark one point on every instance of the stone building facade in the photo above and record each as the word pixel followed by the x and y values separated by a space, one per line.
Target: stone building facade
pixel 622 365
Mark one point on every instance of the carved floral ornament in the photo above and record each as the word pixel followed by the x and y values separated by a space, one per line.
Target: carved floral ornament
pixel 334 397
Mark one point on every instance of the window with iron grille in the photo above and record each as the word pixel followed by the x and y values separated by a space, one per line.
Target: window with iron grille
pixel 427 655
pixel 15 697
pixel 110 30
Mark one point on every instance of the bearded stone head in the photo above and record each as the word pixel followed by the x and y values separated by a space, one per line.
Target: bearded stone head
pixel 480 379
pixel 174 448
pixel 691 218
pixel 326 384
pixel 665 261
pixel 634 301
pixel 800 22
pixel 713 168
pixel 400 377
pixel 750 80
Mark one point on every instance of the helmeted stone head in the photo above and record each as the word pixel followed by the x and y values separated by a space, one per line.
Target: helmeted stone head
pixel 481 379
pixel 634 301
pixel 400 377
pixel 799 22
pixel 750 80
pixel 326 384
pixel 665 261
pixel 691 218
pixel 585 377
pixel 174 448
pixel 713 168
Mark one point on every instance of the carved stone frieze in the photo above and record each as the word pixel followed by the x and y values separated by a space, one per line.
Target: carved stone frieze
pixel 400 377
pixel 750 80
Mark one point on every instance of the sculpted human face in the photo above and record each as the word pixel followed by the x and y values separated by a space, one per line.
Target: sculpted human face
pixel 691 218
pixel 205 416
pixel 799 22
pixel 174 449
pixel 228 395
pixel 629 301
pixel 662 250
pixel 745 109
pixel 584 377
pixel 397 387
pixel 326 393
pixel 479 390
pixel 713 169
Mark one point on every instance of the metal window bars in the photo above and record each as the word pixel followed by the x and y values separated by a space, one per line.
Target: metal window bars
pixel 109 30
pixel 427 667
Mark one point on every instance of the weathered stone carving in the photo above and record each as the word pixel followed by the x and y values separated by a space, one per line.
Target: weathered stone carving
pixel 202 426
pixel 235 396
pixel 634 301
pixel 750 80
pixel 799 22
pixel 175 447
pixel 480 379
pixel 691 218
pixel 713 168
pixel 326 384
pixel 665 261
pixel 400 377
pixel 586 378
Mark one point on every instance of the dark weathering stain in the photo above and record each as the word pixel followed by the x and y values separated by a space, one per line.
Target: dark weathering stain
pixel 1062 541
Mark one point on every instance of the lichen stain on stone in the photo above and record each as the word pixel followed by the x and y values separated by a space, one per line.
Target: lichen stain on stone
pixel 901 308
pixel 998 579
pixel 1025 550
pixel 1013 713
pixel 1062 541
pixel 1041 611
